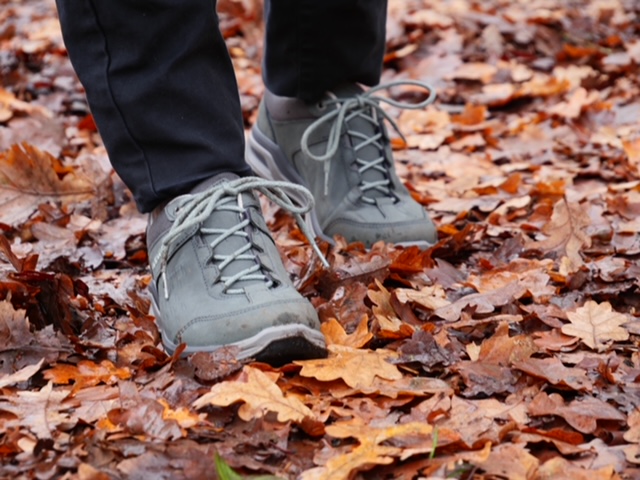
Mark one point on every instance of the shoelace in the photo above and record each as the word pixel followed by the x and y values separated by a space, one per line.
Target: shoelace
pixel 228 196
pixel 359 105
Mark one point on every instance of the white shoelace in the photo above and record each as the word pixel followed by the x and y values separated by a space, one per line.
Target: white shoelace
pixel 227 196
pixel 359 106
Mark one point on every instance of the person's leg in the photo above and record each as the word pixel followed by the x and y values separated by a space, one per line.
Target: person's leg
pixel 314 45
pixel 319 128
pixel 162 89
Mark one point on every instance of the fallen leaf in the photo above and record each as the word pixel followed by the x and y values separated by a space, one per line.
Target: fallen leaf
pixel 29 177
pixel 358 368
pixel 384 312
pixel 511 461
pixel 259 393
pixel 481 302
pixel 565 234
pixel 597 325
pixel 370 450
pixel 553 370
pixel 431 297
pixel 559 468
pixel 21 375
pixel 581 414
pixel 86 374
pixel 40 411
pixel 334 334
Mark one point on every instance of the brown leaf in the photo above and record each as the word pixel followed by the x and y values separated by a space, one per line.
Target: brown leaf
pixel 21 375
pixel 479 421
pixel 511 461
pixel 482 302
pixel 553 371
pixel 429 297
pixel 20 264
pixel 214 366
pixel 357 368
pixel 485 378
pixel 502 349
pixel 559 468
pixel 29 177
pixel 334 334
pixel 41 411
pixel 565 234
pixel 597 325
pixel 423 348
pixel 475 71
pixel 370 450
pixel 259 394
pixel 581 414
pixel 390 324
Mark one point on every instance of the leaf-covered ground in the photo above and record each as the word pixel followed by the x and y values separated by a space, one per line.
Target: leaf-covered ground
pixel 509 350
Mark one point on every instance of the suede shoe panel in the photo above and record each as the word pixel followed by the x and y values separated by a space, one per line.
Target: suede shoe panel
pixel 340 149
pixel 218 276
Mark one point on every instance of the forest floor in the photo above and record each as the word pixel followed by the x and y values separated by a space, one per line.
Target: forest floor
pixel 508 350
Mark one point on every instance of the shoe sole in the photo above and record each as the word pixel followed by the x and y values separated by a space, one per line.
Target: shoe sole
pixel 274 345
pixel 268 161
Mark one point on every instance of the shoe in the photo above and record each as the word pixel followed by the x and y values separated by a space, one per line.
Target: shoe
pixel 339 149
pixel 218 279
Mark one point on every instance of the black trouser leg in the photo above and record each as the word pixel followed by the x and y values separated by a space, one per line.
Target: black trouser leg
pixel 314 45
pixel 161 88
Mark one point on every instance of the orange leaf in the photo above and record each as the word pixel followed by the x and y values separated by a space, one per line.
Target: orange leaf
pixel 358 368
pixel 370 451
pixel 472 115
pixel 259 393
pixel 334 334
pixel 86 374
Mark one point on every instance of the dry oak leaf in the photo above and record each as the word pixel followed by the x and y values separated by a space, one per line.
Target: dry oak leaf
pixel 86 374
pixel 633 434
pixel 9 104
pixel 483 302
pixel 358 368
pixel 21 375
pixel 554 371
pixel 559 468
pixel 512 461
pixel 334 334
pixel 384 312
pixel 430 297
pixel 581 414
pixel 183 416
pixel 29 177
pixel 566 234
pixel 260 395
pixel 480 421
pixel 39 411
pixel 370 452
pixel 596 325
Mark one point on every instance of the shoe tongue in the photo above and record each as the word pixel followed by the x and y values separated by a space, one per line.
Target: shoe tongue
pixel 366 127
pixel 227 217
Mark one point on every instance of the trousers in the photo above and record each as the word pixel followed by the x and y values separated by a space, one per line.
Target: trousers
pixel 162 90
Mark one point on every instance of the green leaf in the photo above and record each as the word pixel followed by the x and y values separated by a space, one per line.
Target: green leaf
pixel 225 472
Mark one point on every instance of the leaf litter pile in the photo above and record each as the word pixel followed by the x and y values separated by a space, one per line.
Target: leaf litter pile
pixel 509 350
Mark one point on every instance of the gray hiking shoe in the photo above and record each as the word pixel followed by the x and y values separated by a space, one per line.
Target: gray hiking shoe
pixel 339 149
pixel 218 279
